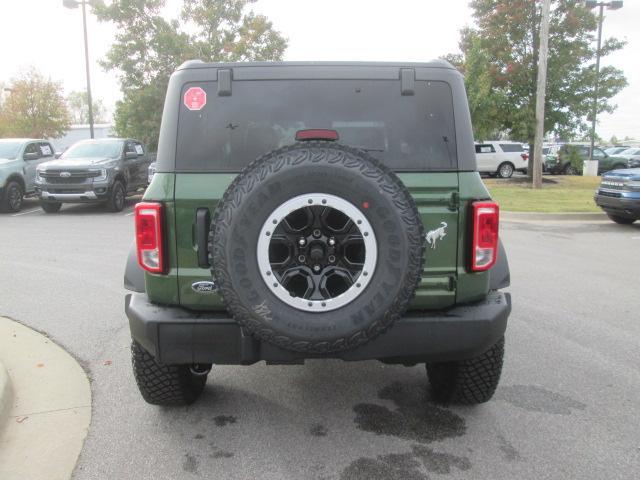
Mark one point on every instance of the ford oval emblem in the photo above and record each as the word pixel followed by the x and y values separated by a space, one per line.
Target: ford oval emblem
pixel 65 174
pixel 204 287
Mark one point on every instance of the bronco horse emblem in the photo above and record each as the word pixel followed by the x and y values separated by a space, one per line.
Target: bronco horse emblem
pixel 437 234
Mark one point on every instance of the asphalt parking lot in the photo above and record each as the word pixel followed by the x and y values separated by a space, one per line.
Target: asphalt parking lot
pixel 567 406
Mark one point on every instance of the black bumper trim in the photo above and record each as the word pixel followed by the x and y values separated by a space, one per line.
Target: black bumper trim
pixel 175 335
pixel 619 205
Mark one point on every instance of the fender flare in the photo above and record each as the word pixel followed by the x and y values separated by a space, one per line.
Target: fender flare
pixel 133 272
pixel 499 275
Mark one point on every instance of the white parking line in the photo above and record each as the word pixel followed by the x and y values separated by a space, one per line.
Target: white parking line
pixel 129 214
pixel 27 212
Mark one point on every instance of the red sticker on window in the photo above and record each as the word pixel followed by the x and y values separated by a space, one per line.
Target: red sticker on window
pixel 195 98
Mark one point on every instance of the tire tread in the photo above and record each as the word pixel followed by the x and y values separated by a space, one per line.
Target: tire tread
pixel 468 382
pixel 167 385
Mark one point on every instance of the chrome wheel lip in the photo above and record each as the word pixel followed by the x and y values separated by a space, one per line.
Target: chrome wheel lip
pixel 324 200
pixel 506 171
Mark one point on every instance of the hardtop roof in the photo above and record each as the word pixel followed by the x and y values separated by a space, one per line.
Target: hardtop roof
pixel 196 64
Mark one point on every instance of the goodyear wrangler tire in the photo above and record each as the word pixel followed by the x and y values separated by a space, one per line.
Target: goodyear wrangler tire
pixel 316 247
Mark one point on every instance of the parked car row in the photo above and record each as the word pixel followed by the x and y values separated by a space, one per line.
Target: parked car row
pixel 91 171
pixel 559 162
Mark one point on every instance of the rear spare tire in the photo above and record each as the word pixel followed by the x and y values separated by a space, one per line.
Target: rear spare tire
pixel 316 247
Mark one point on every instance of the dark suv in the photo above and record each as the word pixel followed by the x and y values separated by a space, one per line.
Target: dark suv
pixel 619 195
pixel 316 210
pixel 94 171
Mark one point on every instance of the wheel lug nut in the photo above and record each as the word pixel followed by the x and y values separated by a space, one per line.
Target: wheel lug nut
pixel 301 258
pixel 317 233
pixel 332 258
pixel 302 242
pixel 316 268
pixel 332 241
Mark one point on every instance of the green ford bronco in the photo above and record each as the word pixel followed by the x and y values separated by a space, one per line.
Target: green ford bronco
pixel 316 210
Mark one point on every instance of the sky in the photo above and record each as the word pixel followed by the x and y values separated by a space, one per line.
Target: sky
pixel 395 30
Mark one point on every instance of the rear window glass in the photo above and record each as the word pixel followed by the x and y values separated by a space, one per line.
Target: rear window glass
pixel 412 132
pixel 484 149
pixel 511 147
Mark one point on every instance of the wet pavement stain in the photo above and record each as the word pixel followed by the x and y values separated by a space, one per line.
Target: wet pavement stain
pixel 218 452
pixel 437 462
pixel 405 466
pixel 415 418
pixel 509 451
pixel 190 464
pixel 199 436
pixel 394 466
pixel 318 430
pixel 221 454
pixel 538 399
pixel 222 420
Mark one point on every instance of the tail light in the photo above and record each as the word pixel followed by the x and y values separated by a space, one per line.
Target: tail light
pixel 484 251
pixel 525 156
pixel 317 134
pixel 149 238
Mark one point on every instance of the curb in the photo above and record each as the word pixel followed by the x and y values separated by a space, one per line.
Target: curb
pixel 49 408
pixel 6 395
pixel 533 216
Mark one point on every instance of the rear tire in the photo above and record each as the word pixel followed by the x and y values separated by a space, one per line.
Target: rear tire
pixel 117 198
pixel 621 220
pixel 51 207
pixel 505 170
pixel 467 382
pixel 167 385
pixel 11 201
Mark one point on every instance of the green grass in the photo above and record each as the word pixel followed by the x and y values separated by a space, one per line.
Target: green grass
pixel 558 194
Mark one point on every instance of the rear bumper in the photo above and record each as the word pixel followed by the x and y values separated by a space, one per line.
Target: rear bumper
pixel 627 204
pixel 178 336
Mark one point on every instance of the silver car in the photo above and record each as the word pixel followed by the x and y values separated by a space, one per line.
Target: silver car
pixel 19 158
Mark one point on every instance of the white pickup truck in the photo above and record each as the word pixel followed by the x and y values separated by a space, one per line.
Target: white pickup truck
pixel 501 158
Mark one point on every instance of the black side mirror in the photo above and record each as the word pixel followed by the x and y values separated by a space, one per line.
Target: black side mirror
pixel 30 156
pixel 57 154
pixel 130 155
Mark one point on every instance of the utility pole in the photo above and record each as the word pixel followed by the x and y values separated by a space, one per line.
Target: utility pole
pixel 541 92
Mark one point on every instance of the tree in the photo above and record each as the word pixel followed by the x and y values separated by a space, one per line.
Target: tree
pixel 484 101
pixel 78 103
pixel 505 41
pixel 34 107
pixel 149 48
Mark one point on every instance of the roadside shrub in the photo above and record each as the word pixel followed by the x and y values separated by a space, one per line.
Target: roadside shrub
pixel 575 159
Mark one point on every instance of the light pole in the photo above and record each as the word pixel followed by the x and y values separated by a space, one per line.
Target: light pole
pixel 612 5
pixel 83 3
